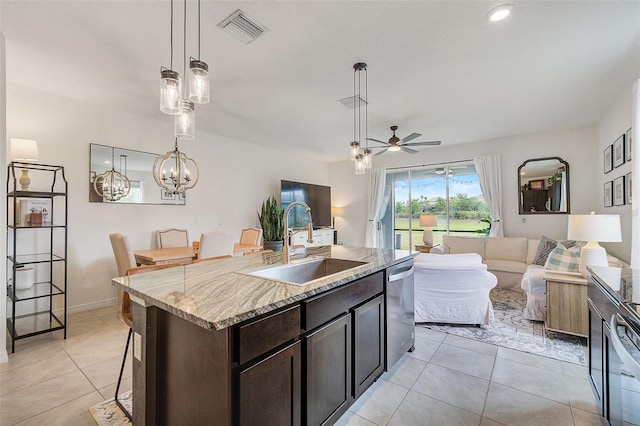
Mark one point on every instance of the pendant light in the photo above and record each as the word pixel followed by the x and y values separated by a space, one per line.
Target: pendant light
pixel 185 121
pixel 361 156
pixel 112 185
pixel 170 83
pixel 198 75
pixel 175 172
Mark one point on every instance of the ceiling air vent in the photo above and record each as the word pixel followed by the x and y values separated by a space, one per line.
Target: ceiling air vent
pixel 352 101
pixel 242 27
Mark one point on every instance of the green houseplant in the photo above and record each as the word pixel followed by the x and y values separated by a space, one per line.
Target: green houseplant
pixel 271 218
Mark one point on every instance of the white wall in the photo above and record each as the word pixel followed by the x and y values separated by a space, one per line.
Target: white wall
pixel 576 146
pixel 3 190
pixel 235 177
pixel 613 124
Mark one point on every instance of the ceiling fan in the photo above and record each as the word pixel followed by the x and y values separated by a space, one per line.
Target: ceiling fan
pixel 397 144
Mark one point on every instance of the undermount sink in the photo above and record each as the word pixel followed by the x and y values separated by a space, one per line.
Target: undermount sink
pixel 307 270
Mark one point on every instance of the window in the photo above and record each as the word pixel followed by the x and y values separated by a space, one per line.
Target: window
pixel 451 192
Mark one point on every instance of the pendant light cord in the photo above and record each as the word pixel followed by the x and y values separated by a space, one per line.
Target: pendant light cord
pixel 184 62
pixel 171 38
pixel 366 108
pixel 198 30
pixel 355 121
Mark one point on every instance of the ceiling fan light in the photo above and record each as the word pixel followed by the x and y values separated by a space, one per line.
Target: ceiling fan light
pixel 394 148
pixel 170 89
pixel 500 12
pixel 198 81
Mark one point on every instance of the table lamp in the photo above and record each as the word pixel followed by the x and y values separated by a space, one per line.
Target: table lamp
pixel 335 211
pixel 594 228
pixel 24 150
pixel 427 221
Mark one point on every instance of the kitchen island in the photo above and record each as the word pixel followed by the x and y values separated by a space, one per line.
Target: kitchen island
pixel 215 343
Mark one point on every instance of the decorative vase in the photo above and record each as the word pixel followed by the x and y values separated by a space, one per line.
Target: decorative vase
pixel 273 245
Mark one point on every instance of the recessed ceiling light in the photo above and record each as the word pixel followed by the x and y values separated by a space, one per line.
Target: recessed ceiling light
pixel 500 12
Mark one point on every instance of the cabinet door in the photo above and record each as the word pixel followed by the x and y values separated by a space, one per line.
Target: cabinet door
pixel 270 390
pixel 596 356
pixel 368 347
pixel 328 372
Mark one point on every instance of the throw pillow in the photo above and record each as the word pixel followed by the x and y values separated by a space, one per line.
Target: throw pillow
pixel 564 259
pixel 545 247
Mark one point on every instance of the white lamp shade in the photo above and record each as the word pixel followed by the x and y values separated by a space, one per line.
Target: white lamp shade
pixel 594 227
pixel 24 150
pixel 428 220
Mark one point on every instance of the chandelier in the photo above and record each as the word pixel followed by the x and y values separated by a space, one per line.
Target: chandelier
pixel 113 185
pixel 361 156
pixel 173 91
pixel 175 172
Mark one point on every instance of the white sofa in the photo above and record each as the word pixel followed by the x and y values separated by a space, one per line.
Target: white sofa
pixel 506 257
pixel 452 288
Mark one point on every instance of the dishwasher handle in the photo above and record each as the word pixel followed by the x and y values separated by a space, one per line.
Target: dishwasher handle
pixel 623 353
pixel 402 275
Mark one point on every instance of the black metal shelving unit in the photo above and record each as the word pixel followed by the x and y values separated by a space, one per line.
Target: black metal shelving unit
pixel 42 307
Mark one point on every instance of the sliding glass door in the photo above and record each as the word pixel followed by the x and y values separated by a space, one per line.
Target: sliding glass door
pixel 450 192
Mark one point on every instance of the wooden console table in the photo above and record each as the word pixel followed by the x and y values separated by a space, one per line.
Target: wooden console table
pixel 423 248
pixel 566 303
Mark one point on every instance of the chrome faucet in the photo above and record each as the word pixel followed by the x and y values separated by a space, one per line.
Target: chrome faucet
pixel 285 248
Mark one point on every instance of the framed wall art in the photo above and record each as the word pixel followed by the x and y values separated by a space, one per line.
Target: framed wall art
pixel 618 152
pixel 166 195
pixel 536 185
pixel 608 159
pixel 608 194
pixel 628 145
pixel 627 188
pixel 618 191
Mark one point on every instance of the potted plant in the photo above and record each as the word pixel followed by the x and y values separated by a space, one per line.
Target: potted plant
pixel 271 219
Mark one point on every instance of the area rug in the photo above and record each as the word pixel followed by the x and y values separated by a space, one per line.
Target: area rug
pixel 107 413
pixel 511 330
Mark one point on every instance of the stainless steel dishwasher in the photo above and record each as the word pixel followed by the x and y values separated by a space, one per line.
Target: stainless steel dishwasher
pixel 400 318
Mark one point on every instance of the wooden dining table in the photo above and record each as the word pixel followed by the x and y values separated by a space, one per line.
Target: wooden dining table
pixel 166 255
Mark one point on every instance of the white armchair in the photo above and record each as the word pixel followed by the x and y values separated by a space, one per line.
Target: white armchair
pixel 453 288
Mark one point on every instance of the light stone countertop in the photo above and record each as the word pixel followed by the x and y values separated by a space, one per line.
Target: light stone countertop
pixel 220 293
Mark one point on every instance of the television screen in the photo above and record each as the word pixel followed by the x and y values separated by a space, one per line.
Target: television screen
pixel 318 197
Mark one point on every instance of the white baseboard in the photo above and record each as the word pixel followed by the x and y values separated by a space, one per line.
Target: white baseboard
pixel 92 305
pixel 4 356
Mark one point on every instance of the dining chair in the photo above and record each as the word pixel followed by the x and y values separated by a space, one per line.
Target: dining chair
pixel 173 237
pixel 251 237
pixel 125 314
pixel 123 253
pixel 215 243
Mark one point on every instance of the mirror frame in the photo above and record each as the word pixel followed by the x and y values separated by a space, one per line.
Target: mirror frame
pixel 160 198
pixel 520 187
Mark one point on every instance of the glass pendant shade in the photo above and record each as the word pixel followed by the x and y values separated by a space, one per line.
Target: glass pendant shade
pixel 366 154
pixel 112 185
pixel 354 150
pixel 185 121
pixel 170 90
pixel 360 165
pixel 175 172
pixel 198 82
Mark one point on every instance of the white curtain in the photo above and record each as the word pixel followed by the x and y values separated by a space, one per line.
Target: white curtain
pixel 377 178
pixel 488 169
pixel 635 173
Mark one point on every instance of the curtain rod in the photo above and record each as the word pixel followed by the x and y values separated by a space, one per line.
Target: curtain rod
pixel 428 165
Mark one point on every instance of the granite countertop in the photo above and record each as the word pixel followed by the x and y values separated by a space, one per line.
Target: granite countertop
pixel 220 293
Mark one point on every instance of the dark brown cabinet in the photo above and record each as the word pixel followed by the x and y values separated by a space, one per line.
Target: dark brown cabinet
pixel 328 371
pixel 368 344
pixel 534 201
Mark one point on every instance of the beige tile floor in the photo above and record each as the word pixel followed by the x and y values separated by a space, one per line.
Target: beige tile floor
pixel 447 380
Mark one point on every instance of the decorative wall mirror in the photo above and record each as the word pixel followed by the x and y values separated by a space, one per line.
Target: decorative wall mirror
pixel 138 167
pixel 544 186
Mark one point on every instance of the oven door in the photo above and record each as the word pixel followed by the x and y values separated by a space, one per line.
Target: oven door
pixel 624 373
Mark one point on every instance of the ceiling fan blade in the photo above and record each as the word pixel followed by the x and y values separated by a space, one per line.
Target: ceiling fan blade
pixel 410 151
pixel 411 137
pixel 376 140
pixel 423 143
pixel 381 152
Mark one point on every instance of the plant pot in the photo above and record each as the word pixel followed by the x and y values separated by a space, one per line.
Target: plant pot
pixel 273 245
